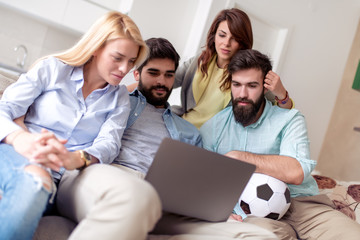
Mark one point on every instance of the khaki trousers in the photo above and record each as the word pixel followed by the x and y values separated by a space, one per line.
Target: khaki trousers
pixel 313 218
pixel 108 203
pixel 185 228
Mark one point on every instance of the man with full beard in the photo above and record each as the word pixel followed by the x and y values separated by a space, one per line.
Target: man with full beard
pixel 150 121
pixel 276 141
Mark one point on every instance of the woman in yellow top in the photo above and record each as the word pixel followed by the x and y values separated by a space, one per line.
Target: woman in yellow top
pixel 202 77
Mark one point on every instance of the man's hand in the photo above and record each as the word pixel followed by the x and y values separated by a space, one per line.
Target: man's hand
pixel 235 217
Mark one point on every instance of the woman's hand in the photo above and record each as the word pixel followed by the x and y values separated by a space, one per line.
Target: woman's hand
pixel 273 83
pixel 43 148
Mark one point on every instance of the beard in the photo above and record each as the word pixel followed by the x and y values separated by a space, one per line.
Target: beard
pixel 246 114
pixel 153 99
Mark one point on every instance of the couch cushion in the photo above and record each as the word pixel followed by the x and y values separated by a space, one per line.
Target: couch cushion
pixel 5 80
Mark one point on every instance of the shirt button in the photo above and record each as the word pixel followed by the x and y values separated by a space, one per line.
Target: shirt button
pixel 135 114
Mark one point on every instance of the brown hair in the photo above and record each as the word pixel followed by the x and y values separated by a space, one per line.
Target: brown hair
pixel 239 26
pixel 247 59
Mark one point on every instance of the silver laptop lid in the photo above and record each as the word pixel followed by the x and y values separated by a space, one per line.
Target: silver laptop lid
pixel 194 182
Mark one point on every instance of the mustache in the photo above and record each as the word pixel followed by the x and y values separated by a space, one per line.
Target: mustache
pixel 159 87
pixel 243 100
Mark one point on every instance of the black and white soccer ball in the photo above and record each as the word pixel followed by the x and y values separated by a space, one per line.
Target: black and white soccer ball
pixel 265 196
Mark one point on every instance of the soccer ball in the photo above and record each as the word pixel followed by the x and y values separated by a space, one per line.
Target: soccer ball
pixel 265 196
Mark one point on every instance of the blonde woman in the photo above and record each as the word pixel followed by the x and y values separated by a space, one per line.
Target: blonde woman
pixel 76 113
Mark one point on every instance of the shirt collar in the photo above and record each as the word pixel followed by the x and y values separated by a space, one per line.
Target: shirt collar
pixel 77 74
pixel 137 93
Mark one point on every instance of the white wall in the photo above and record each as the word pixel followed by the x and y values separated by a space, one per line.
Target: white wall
pixel 39 38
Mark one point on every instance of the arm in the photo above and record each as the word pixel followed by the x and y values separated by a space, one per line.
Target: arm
pixel 273 83
pixel 286 169
pixel 131 87
pixel 183 71
pixel 106 145
pixel 20 121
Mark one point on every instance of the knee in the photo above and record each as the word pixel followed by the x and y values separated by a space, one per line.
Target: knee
pixel 41 175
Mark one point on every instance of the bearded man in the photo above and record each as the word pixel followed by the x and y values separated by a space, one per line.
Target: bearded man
pixel 276 141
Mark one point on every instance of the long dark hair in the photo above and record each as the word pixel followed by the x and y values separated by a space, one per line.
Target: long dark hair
pixel 239 26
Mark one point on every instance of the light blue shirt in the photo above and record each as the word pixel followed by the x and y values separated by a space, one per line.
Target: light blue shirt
pixel 51 95
pixel 178 129
pixel 277 132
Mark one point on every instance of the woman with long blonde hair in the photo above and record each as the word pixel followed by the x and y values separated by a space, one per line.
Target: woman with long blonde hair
pixel 75 115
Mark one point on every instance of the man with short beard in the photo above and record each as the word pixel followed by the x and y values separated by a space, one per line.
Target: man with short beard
pixel 150 121
pixel 276 141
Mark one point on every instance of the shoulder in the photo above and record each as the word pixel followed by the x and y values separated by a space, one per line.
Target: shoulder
pixel 52 62
pixel 183 123
pixel 217 123
pixel 285 117
pixel 221 117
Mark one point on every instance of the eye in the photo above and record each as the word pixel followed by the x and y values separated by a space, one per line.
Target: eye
pixel 235 84
pixel 169 75
pixel 117 59
pixel 154 74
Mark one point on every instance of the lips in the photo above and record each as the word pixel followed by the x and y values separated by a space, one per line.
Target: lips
pixel 120 77
pixel 225 51
pixel 160 90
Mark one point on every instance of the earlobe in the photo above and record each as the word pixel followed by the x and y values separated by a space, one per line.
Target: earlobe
pixel 136 75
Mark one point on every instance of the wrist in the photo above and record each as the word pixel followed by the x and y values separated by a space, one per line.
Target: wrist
pixel 10 139
pixel 85 159
pixel 283 100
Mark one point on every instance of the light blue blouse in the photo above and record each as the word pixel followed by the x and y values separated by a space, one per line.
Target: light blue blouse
pixel 51 97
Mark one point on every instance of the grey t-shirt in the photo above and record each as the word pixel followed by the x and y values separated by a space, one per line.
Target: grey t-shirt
pixel 141 140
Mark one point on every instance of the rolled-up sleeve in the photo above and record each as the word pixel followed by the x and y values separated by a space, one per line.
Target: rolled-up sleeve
pixel 295 143
pixel 107 144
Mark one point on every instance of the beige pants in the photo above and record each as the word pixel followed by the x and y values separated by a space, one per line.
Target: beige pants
pixel 185 228
pixel 312 218
pixel 108 203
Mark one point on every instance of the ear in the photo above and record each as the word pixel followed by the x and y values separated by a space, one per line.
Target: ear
pixel 136 75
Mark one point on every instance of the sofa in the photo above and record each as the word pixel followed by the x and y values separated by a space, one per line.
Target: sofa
pixel 345 195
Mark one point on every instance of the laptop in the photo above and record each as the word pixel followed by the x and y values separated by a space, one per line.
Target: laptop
pixel 195 182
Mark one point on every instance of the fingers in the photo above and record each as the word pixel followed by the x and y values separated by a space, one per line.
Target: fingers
pixel 46 163
pixel 236 217
pixel 48 138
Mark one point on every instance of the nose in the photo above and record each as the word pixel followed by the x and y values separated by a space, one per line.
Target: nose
pixel 160 79
pixel 227 41
pixel 243 92
pixel 124 67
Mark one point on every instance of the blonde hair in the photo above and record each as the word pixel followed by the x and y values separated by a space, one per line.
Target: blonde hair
pixel 113 25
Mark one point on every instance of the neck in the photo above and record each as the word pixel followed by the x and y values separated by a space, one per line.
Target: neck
pixel 221 63
pixel 92 81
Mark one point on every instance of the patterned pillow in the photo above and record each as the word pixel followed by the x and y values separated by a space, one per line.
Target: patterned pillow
pixel 345 195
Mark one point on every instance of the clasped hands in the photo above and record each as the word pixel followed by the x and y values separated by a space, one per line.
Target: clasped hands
pixel 44 148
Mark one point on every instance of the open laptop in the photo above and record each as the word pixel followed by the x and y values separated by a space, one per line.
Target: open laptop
pixel 195 182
